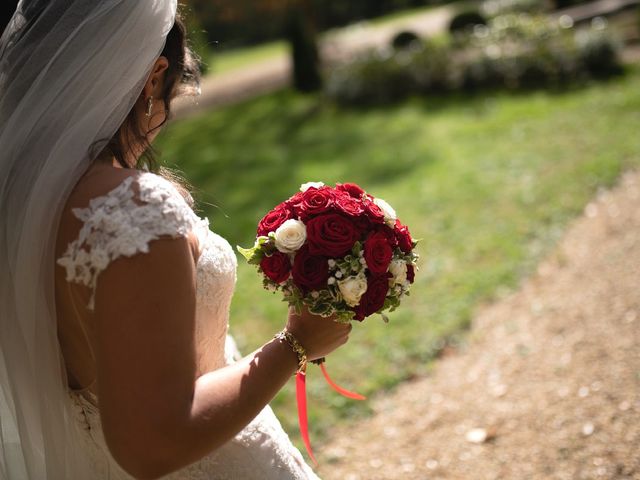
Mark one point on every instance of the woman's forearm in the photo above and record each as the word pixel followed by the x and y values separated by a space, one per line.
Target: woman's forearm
pixel 226 400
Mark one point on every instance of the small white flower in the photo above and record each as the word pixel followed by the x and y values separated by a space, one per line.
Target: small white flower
pixel 398 268
pixel 332 263
pixel 315 294
pixel 290 236
pixel 306 186
pixel 339 274
pixel 363 261
pixel 352 289
pixel 331 281
pixel 389 213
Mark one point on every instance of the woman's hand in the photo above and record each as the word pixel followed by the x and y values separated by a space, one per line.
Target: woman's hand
pixel 318 335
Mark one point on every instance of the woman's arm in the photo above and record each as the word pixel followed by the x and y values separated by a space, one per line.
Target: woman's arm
pixel 157 415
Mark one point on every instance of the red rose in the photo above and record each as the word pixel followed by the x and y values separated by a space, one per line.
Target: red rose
pixel 347 204
pixel 390 235
pixel 373 299
pixel 405 242
pixel 314 201
pixel 310 272
pixel 351 188
pixel 331 235
pixel 294 200
pixel 272 220
pixel 276 267
pixel 411 273
pixel 377 252
pixel 373 211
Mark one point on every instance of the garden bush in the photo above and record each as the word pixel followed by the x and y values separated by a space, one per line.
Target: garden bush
pixel 465 21
pixel 512 52
pixel 404 39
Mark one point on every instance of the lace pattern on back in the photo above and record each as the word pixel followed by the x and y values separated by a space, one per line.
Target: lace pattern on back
pixel 122 223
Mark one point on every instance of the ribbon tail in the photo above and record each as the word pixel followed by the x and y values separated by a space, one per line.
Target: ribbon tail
pixel 338 388
pixel 301 397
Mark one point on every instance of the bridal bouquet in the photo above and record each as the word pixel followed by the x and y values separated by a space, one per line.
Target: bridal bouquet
pixel 340 252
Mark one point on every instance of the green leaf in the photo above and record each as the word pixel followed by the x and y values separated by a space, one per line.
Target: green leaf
pixel 253 255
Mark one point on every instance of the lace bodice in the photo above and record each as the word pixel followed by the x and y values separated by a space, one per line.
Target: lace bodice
pixel 122 223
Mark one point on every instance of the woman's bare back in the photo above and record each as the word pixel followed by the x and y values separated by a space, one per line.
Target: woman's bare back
pixel 75 321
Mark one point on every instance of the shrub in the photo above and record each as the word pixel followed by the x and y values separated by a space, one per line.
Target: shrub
pixel 404 39
pixel 465 21
pixel 512 52
pixel 376 77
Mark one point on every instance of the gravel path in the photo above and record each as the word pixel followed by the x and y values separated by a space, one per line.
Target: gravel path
pixel 548 386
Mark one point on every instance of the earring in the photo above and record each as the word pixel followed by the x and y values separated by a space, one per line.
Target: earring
pixel 149 106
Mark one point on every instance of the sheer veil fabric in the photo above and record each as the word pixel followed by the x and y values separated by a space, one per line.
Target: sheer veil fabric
pixel 70 71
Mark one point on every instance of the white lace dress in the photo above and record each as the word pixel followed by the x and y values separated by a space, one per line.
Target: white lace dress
pixel 122 223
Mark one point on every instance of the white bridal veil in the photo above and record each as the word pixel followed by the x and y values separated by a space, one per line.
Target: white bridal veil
pixel 70 71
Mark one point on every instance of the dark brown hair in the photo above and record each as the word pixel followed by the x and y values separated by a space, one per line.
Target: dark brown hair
pixel 182 77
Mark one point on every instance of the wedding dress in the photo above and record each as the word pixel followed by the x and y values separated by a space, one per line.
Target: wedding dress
pixel 122 223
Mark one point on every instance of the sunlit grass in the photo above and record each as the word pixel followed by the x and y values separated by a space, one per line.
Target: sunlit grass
pixel 229 60
pixel 488 183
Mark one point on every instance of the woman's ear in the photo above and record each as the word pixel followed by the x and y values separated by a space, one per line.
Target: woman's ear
pixel 155 83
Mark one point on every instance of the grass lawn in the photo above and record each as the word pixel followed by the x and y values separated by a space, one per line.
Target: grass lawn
pixel 229 60
pixel 489 183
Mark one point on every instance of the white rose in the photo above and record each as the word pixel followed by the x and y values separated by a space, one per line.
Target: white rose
pixel 290 236
pixel 389 213
pixel 398 268
pixel 352 289
pixel 306 186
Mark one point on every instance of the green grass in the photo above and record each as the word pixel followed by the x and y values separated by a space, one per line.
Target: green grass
pixel 488 183
pixel 235 59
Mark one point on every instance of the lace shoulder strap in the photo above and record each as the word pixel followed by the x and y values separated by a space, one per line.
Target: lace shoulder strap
pixel 123 223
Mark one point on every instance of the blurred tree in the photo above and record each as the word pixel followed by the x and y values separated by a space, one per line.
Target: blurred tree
pixel 300 32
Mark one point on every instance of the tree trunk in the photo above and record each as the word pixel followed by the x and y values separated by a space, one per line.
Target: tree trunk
pixel 300 32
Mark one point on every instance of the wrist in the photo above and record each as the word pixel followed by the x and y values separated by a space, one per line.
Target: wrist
pixel 287 338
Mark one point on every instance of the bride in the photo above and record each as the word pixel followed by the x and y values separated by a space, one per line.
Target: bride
pixel 114 296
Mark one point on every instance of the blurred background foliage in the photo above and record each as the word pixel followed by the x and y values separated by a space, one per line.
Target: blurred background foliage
pixel 233 22
pixel 510 51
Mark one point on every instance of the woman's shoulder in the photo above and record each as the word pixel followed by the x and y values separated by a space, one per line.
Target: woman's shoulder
pixel 114 213
pixel 102 181
pixel 140 195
